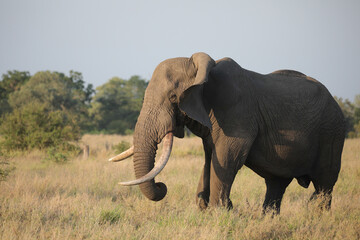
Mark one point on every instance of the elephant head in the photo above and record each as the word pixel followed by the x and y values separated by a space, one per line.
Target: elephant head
pixel 173 94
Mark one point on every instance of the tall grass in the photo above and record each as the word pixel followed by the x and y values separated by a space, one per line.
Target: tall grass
pixel 82 200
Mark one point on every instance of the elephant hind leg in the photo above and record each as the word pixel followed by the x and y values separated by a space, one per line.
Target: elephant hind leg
pixel 323 191
pixel 327 169
pixel 275 188
pixel 323 197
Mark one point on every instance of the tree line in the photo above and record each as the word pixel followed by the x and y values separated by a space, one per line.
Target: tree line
pixel 351 111
pixel 50 109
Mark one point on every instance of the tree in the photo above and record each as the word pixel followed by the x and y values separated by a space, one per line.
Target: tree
pixel 117 104
pixel 56 92
pixel 357 116
pixel 48 111
pixel 351 113
pixel 34 126
pixel 11 82
pixel 77 84
pixel 357 109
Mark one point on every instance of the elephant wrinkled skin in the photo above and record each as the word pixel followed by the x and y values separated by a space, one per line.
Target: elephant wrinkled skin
pixel 282 125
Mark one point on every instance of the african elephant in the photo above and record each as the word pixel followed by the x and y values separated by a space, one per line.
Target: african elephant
pixel 282 125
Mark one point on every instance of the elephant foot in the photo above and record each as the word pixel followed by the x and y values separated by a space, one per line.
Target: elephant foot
pixel 271 210
pixel 202 201
pixel 227 203
pixel 323 200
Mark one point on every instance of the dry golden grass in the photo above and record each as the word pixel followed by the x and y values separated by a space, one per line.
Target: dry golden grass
pixel 82 200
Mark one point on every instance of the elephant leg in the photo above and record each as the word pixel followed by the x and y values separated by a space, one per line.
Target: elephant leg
pixel 221 180
pixel 323 193
pixel 327 169
pixel 203 190
pixel 325 198
pixel 275 188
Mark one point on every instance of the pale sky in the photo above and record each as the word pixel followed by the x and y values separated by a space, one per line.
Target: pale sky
pixel 103 39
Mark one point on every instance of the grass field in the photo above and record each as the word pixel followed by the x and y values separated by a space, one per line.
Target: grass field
pixel 81 199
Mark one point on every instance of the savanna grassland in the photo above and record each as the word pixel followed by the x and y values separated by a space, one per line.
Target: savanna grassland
pixel 80 199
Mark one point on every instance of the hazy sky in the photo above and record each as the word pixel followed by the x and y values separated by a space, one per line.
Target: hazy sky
pixel 102 39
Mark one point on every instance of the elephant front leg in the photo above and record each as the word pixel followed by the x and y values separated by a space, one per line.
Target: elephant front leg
pixel 203 190
pixel 221 179
pixel 220 186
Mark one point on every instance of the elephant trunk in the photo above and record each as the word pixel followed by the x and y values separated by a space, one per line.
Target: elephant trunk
pixel 144 157
pixel 143 164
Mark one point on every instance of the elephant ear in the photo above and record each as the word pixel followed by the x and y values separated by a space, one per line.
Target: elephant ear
pixel 191 100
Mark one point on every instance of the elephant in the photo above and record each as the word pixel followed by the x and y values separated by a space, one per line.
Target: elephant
pixel 282 125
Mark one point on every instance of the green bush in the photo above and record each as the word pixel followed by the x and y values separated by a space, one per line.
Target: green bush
pixel 35 127
pixel 129 132
pixel 62 153
pixel 121 146
pixel 5 167
pixel 57 92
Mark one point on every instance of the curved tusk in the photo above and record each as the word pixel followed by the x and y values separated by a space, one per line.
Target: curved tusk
pixel 122 156
pixel 168 141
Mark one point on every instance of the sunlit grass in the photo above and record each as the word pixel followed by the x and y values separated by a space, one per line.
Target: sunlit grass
pixel 82 200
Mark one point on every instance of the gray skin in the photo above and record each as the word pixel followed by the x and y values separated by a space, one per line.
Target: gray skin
pixel 282 125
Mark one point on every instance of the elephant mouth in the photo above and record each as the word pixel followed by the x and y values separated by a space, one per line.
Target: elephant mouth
pixel 167 147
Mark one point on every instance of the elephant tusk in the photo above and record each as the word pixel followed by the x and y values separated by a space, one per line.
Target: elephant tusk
pixel 168 142
pixel 122 156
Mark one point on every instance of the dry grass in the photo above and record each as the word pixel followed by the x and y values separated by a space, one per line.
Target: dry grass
pixel 82 200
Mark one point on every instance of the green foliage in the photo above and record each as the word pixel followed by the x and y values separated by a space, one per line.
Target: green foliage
pixel 56 156
pixel 45 111
pixel 56 92
pixel 117 104
pixel 114 108
pixel 121 147
pixel 61 154
pixel 77 84
pixel 11 82
pixel 5 168
pixel 351 111
pixel 34 126
pixel 129 132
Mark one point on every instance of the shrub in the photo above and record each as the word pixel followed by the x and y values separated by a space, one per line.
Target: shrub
pixel 35 127
pixel 61 154
pixel 5 170
pixel 5 167
pixel 121 146
pixel 129 132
